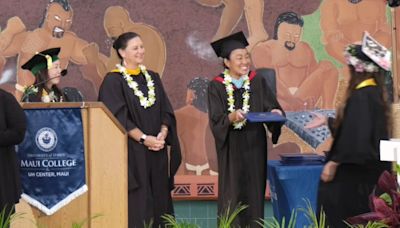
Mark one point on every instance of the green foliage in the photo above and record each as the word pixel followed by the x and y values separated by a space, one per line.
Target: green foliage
pixel 274 223
pixel 171 222
pixel 386 197
pixel 371 224
pixel 7 218
pixel 225 220
pixel 148 225
pixel 312 218
pixel 397 168
pixel 308 212
pixel 81 223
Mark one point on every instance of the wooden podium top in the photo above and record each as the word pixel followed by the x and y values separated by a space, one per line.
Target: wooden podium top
pixel 82 105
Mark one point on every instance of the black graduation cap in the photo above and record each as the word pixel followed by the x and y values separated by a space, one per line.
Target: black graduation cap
pixel 41 60
pixel 223 47
pixel 394 3
pixel 359 54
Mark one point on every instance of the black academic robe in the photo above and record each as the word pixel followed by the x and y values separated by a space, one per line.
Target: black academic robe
pixel 12 131
pixel 242 154
pixel 356 148
pixel 150 174
pixel 67 94
pixel 30 96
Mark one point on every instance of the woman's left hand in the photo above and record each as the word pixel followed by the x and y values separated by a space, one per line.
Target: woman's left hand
pixel 162 135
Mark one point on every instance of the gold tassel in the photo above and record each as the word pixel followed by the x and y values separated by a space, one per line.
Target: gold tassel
pixel 48 58
pixel 49 62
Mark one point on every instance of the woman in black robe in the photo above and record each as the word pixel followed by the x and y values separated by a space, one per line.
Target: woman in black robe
pixel 46 67
pixel 241 146
pixel 137 99
pixel 12 131
pixel 353 165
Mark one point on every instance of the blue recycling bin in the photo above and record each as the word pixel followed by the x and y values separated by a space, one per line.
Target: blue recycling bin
pixel 290 185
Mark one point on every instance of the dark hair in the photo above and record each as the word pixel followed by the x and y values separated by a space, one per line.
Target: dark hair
pixel 122 41
pixel 199 86
pixel 64 4
pixel 355 79
pixel 289 17
pixel 42 76
pixel 228 58
pixel 224 65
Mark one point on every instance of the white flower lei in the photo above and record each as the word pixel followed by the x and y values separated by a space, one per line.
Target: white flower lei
pixel 50 97
pixel 231 101
pixel 145 102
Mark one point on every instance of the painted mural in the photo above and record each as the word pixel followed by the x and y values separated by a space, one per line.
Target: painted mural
pixel 296 45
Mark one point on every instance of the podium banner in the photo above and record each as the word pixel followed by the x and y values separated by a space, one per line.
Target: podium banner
pixel 52 161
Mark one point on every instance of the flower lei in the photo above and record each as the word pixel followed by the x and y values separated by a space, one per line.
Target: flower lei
pixel 145 102
pixel 231 101
pixel 358 64
pixel 28 90
pixel 46 97
pixel 50 97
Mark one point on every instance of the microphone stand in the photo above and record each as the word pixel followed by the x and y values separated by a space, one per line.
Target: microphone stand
pixel 62 74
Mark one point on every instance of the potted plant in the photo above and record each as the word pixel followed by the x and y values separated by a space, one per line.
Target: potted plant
pixel 385 207
pixel 7 218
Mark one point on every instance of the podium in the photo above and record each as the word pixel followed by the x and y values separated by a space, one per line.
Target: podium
pixel 290 185
pixel 105 142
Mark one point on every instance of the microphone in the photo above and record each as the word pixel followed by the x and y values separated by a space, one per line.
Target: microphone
pixel 62 74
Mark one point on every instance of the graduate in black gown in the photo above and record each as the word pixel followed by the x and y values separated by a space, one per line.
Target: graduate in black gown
pixel 353 165
pixel 12 132
pixel 241 146
pixel 46 68
pixel 137 99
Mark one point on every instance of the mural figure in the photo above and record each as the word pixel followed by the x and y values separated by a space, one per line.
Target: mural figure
pixel 118 21
pixel 301 80
pixel 197 143
pixel 232 13
pixel 344 21
pixel 54 31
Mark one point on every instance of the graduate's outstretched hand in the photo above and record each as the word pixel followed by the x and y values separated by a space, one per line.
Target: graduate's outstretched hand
pixel 153 143
pixel 319 120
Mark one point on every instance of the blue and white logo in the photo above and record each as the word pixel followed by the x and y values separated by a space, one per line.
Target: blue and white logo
pixel 46 139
